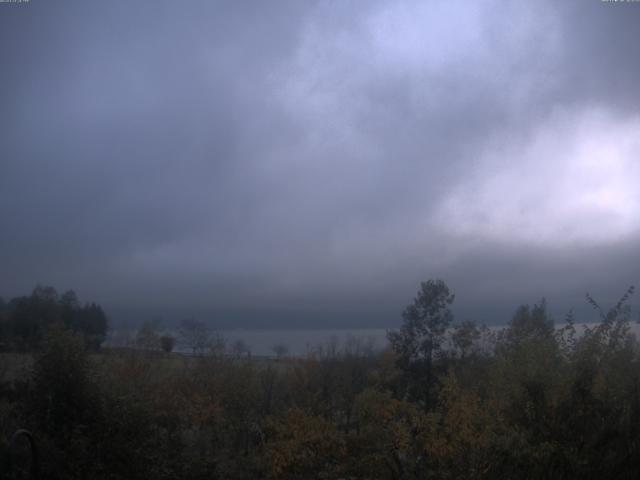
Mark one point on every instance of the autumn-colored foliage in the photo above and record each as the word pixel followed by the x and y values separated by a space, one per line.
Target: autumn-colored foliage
pixel 529 401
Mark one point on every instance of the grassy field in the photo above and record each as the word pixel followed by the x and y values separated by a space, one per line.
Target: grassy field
pixel 15 366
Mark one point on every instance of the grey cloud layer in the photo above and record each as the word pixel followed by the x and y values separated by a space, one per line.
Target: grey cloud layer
pixel 318 157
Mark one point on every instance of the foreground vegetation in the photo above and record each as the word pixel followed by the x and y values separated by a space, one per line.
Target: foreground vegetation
pixel 444 401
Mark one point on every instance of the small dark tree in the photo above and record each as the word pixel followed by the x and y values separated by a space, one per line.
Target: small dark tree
pixel 32 316
pixel 217 344
pixel 70 306
pixel 528 326
pixel 531 322
pixel 89 320
pixel 167 343
pixel 240 348
pixel 419 340
pixel 195 335
pixel 93 324
pixel 613 331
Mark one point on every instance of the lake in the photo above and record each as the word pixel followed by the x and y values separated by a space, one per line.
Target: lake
pixel 299 342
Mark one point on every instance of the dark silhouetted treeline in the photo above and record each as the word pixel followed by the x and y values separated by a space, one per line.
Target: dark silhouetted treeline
pixel 24 321
pixel 447 400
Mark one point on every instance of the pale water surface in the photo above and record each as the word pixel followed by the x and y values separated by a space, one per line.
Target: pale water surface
pixel 300 342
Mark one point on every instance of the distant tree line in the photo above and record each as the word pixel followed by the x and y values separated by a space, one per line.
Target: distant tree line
pixel 193 336
pixel 25 321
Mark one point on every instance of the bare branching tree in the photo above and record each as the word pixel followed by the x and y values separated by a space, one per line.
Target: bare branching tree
pixel 195 335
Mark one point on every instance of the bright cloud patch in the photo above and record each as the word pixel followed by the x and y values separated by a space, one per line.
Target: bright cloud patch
pixel 575 180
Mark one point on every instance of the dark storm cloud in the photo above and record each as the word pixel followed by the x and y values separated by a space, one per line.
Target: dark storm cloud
pixel 306 160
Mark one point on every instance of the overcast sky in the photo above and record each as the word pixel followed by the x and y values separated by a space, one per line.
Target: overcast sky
pixel 309 163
